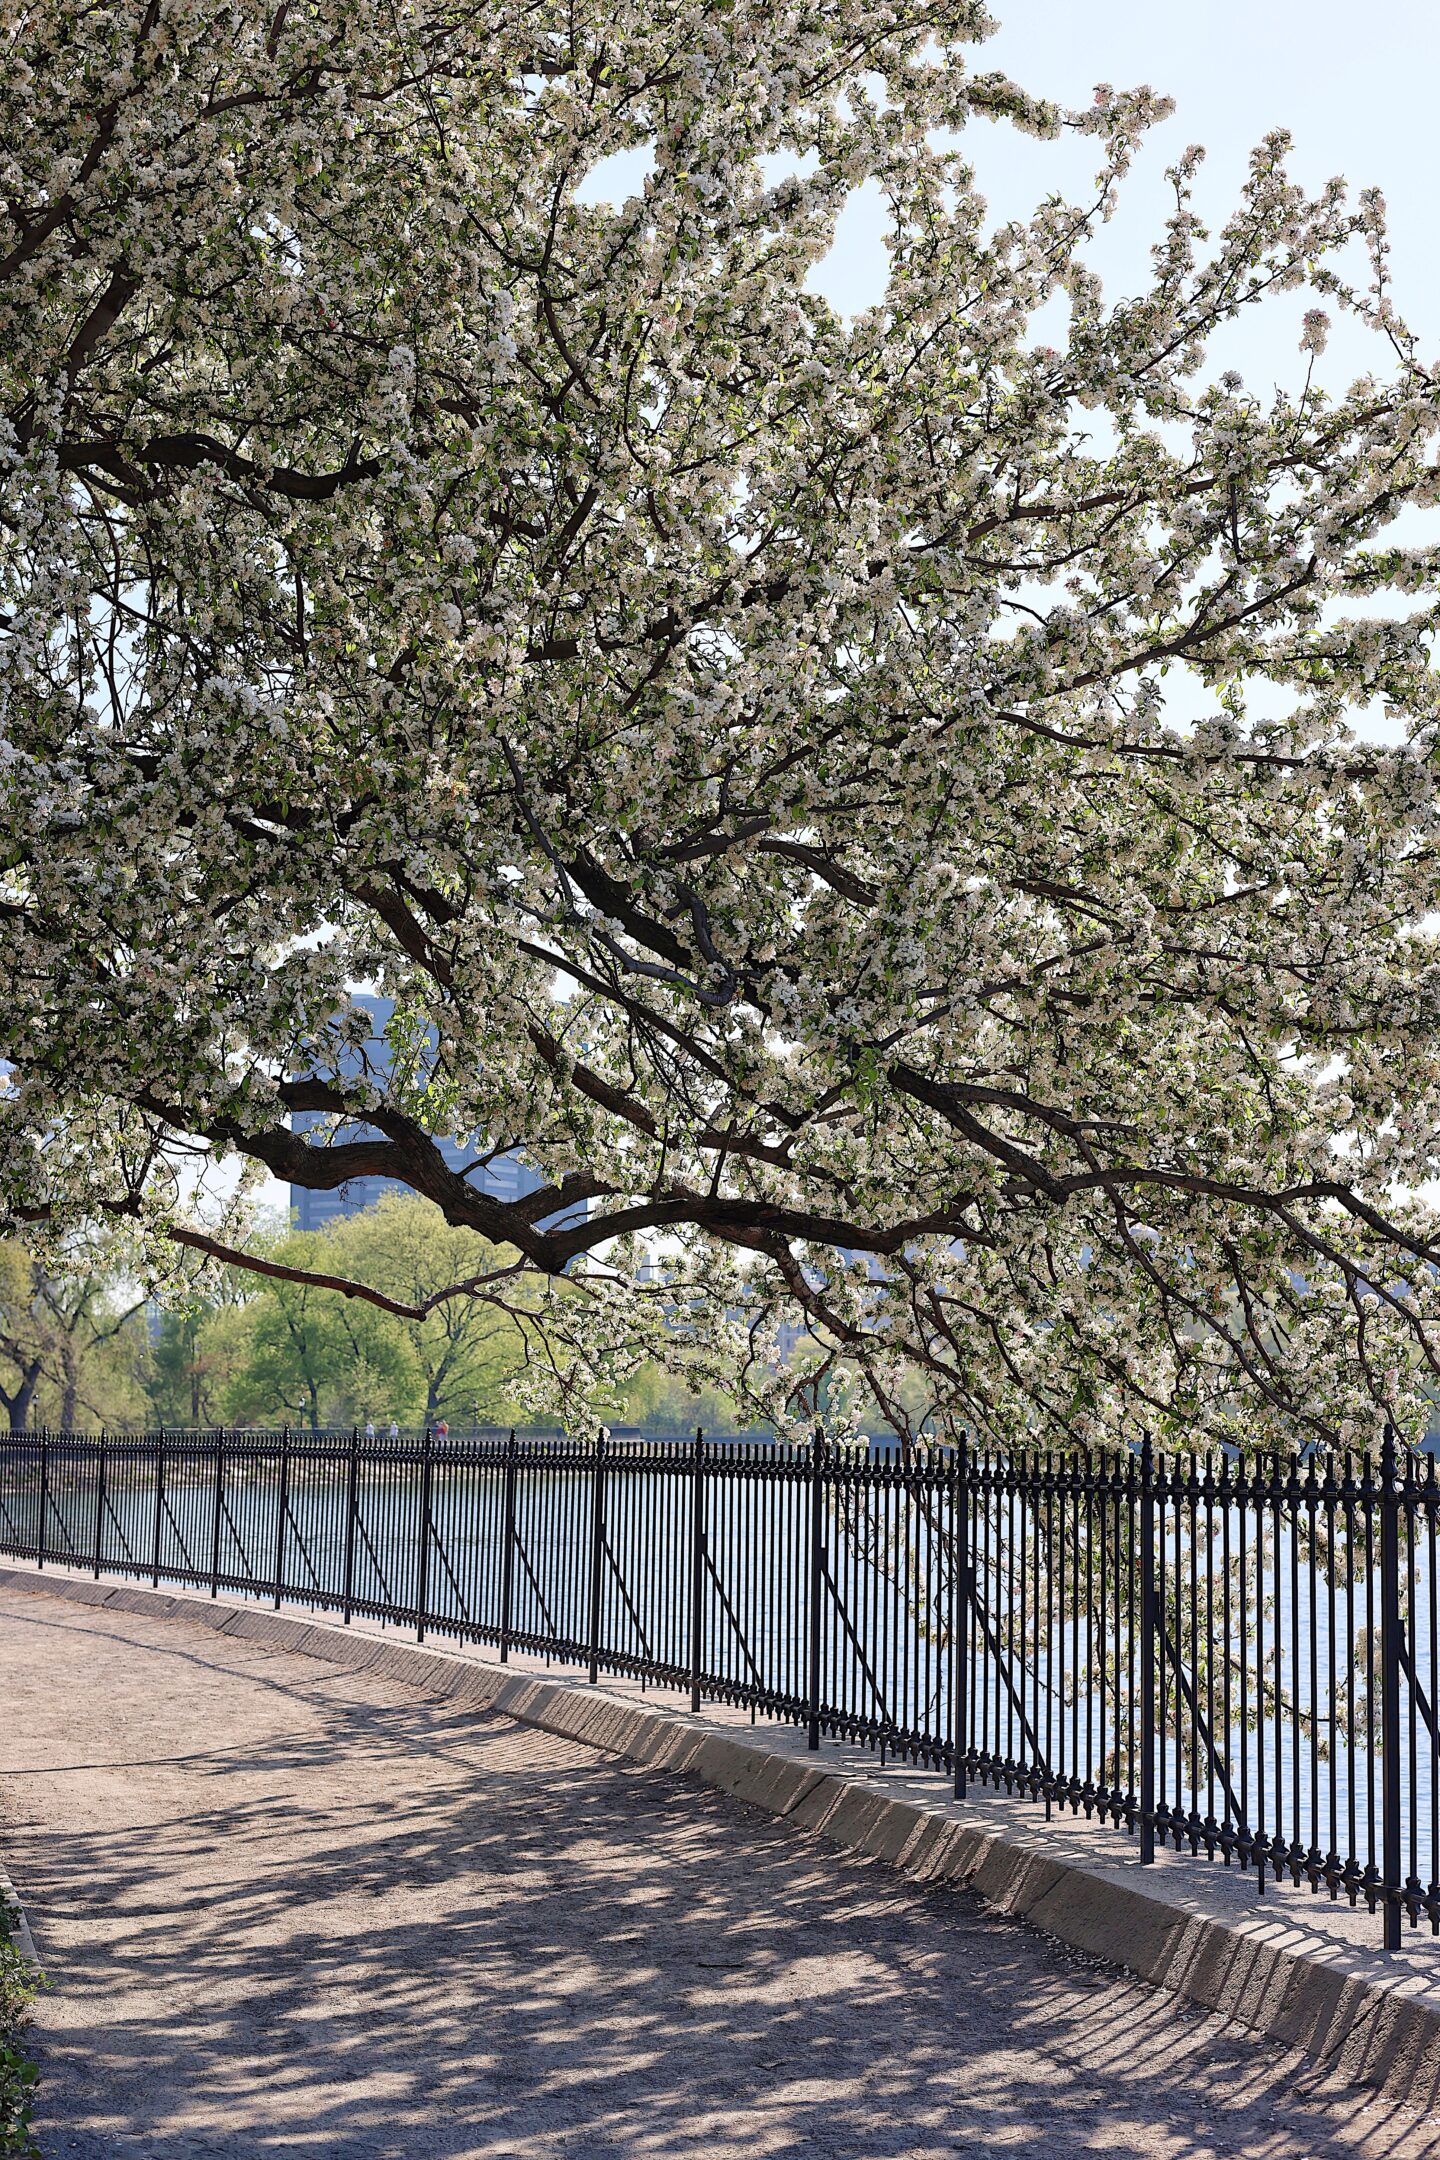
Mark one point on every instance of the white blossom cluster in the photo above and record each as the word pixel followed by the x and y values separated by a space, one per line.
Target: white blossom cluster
pixel 741 739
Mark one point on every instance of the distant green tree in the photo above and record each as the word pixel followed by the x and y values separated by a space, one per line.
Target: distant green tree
pixel 195 1357
pixel 313 1354
pixel 664 1402
pixel 468 1350
pixel 72 1340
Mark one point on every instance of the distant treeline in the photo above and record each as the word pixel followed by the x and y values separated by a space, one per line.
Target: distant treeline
pixel 81 1346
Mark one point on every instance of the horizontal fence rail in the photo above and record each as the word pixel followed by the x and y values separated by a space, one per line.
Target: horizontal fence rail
pixel 1238 1657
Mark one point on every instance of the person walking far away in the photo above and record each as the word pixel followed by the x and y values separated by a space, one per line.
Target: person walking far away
pixel 369 1428
pixel 394 1430
pixel 442 1430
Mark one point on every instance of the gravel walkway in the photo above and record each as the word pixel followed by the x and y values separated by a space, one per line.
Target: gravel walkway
pixel 289 1910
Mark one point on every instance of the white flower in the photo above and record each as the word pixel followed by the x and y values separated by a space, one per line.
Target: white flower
pixel 1316 331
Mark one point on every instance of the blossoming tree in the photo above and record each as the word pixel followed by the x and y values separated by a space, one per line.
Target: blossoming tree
pixel 742 739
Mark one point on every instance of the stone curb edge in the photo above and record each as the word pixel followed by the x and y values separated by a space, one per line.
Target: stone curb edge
pixel 20 1933
pixel 1369 2031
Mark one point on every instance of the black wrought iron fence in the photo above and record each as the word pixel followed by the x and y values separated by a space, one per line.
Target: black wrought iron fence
pixel 1236 1656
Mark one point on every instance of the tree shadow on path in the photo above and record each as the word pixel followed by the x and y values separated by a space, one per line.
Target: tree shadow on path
pixel 289 1910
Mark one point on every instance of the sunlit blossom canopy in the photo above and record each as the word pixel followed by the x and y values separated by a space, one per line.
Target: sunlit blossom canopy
pixel 867 803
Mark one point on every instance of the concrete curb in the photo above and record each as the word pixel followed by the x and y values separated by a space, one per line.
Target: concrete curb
pixel 1374 2022
pixel 20 1933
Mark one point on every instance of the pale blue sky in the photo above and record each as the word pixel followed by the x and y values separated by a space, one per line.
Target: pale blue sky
pixel 1355 86
pixel 1357 102
pixel 1356 89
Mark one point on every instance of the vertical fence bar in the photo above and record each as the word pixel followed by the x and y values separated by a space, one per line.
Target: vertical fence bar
pixel 1148 1634
pixel 960 1605
pixel 697 1568
pixel 422 1587
pixel 280 1512
pixel 817 1588
pixel 352 1502
pixel 597 1546
pixel 159 1505
pixel 100 1507
pixel 219 1513
pixel 44 1498
pixel 1391 1622
pixel 507 1554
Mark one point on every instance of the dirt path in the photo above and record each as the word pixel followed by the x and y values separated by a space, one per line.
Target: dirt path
pixel 289 1910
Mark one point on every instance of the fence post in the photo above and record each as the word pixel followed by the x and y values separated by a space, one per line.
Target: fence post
pixel 1149 1636
pixel 597 1542
pixel 960 1604
pixel 422 1587
pixel 280 1512
pixel 817 1584
pixel 99 1507
pixel 1391 1623
pixel 159 1505
pixel 219 1505
pixel 697 1566
pixel 352 1498
pixel 507 1552
pixel 44 1499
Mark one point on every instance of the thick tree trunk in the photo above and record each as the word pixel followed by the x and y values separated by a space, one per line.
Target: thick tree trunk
pixel 17 1405
pixel 71 1389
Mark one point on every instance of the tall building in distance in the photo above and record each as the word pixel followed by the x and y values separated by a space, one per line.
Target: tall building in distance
pixel 508 1177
